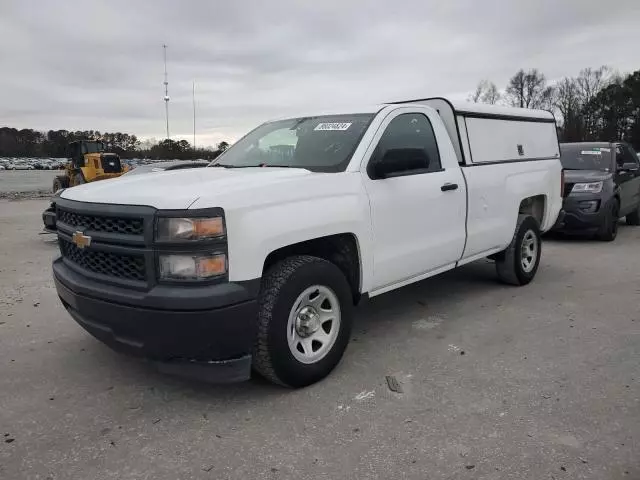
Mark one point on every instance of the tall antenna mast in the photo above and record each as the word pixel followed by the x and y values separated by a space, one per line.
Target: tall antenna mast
pixel 194 115
pixel 166 90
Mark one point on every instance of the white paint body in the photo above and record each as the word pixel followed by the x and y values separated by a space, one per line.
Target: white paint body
pixel 406 227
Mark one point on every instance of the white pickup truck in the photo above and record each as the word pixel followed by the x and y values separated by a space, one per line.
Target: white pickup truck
pixel 257 261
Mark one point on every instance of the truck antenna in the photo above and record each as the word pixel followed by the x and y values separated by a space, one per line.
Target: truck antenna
pixel 166 90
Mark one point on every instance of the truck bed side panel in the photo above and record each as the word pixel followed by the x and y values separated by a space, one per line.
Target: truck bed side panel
pixel 494 195
pixel 495 140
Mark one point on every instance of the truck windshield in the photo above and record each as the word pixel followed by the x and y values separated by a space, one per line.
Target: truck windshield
pixel 586 157
pixel 319 144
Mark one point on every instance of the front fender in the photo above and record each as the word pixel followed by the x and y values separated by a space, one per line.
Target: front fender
pixel 254 233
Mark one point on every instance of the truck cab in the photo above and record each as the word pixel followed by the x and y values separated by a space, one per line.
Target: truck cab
pixel 257 261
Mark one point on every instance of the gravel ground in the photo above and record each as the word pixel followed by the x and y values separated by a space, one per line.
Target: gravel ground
pixel 540 382
pixel 23 181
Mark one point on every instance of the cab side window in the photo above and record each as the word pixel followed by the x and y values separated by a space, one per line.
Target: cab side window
pixel 407 147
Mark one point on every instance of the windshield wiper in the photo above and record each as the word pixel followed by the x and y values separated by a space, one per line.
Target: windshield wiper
pixel 260 165
pixel 224 165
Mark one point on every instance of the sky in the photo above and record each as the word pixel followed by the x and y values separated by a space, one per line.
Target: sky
pixel 94 64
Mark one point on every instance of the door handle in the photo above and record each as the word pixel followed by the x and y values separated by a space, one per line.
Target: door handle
pixel 449 186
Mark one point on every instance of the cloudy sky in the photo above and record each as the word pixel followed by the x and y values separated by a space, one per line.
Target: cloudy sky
pixel 97 64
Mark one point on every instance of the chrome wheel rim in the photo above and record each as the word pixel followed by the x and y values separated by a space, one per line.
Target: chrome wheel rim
pixel 529 251
pixel 314 324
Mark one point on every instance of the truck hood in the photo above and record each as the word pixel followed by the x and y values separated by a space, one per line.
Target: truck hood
pixel 577 176
pixel 181 188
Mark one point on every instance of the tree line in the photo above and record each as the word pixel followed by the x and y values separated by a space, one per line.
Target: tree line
pixel 31 143
pixel 596 105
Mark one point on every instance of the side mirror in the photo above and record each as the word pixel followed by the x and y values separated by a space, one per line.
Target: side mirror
pixel 398 161
pixel 629 166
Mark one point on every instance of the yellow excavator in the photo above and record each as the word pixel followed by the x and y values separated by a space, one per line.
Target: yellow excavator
pixel 88 162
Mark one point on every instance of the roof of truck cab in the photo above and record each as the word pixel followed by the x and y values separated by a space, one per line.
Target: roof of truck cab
pixel 460 107
pixel 484 109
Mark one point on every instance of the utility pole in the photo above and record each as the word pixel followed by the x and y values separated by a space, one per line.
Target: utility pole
pixel 194 115
pixel 166 90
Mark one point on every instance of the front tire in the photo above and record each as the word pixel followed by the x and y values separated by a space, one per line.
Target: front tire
pixel 304 321
pixel 518 264
pixel 609 229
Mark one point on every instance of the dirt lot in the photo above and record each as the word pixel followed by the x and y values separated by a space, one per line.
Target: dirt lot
pixel 27 180
pixel 539 382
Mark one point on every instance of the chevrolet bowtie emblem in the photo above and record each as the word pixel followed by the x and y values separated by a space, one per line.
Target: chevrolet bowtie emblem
pixel 81 240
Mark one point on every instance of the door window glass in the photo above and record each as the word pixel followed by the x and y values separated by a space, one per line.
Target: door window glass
pixel 409 143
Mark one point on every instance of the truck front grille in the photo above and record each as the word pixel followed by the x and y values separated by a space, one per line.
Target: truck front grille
pixel 127 267
pixel 95 223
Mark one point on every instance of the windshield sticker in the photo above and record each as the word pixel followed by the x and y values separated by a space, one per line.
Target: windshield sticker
pixel 332 126
pixel 590 152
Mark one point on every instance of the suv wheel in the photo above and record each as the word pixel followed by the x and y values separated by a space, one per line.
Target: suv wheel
pixel 304 321
pixel 518 264
pixel 609 229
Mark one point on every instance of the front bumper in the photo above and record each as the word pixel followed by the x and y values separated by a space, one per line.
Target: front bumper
pixel 576 219
pixel 206 334
pixel 49 219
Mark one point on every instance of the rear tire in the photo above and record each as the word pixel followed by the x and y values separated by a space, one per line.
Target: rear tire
pixel 518 264
pixel 280 347
pixel 634 218
pixel 608 231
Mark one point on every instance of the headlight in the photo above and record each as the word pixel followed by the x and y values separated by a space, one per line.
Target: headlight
pixel 593 187
pixel 172 229
pixel 196 266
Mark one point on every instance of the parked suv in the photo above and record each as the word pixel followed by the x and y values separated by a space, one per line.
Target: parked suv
pixel 601 185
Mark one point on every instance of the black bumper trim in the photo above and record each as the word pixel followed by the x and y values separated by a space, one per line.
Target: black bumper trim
pixel 217 371
pixel 212 344
pixel 574 219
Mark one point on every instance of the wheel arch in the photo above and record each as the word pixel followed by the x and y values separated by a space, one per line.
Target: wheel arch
pixel 535 206
pixel 341 249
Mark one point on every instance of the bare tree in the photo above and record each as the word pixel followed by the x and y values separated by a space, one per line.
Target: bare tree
pixel 568 104
pixel 476 96
pixel 491 95
pixel 485 92
pixel 590 83
pixel 547 99
pixel 568 97
pixel 527 89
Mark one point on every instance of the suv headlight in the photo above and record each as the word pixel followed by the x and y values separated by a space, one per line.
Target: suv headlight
pixel 171 229
pixel 592 187
pixel 191 266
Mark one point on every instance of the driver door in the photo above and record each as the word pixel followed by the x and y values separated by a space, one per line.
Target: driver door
pixel 417 198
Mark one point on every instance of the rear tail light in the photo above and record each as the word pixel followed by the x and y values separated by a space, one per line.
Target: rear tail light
pixel 562 183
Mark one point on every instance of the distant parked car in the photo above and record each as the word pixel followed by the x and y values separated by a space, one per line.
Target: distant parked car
pixel 601 185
